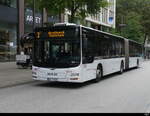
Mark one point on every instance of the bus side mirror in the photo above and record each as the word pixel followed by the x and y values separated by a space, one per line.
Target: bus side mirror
pixel 88 59
pixel 31 36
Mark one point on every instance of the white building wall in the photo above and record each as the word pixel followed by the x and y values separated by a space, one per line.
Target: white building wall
pixel 103 18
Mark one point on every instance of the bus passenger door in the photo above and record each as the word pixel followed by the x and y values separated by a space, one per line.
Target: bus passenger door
pixel 89 70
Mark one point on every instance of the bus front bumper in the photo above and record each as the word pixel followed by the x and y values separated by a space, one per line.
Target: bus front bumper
pixel 58 75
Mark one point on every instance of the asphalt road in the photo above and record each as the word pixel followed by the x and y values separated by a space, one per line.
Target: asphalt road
pixel 126 93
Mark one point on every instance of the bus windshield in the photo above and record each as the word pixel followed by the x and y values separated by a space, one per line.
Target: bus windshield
pixel 57 52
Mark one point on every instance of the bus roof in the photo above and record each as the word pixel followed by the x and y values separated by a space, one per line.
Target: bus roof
pixel 57 25
pixel 121 37
pixel 75 25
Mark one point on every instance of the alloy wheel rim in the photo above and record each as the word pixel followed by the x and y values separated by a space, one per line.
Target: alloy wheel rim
pixel 98 73
pixel 122 68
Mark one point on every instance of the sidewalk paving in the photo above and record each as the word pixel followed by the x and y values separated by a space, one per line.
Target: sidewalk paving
pixel 10 75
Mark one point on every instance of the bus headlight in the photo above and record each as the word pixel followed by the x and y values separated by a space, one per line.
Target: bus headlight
pixel 74 76
pixel 34 73
pixel 34 77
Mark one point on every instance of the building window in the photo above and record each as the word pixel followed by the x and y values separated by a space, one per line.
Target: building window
pixel 9 3
pixel 112 5
pixel 29 19
pixel 105 15
pixel 8 30
pixel 8 42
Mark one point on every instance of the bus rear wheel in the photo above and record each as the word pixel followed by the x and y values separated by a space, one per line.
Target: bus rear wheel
pixel 138 63
pixel 121 68
pixel 99 74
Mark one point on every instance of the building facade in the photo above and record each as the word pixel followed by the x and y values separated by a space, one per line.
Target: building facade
pixel 102 21
pixel 8 29
pixel 16 19
pixel 106 18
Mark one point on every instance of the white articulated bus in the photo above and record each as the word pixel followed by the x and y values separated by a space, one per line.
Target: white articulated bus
pixel 73 53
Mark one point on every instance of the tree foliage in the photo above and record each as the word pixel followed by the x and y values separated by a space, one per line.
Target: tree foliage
pixel 135 15
pixel 29 4
pixel 77 8
pixel 145 17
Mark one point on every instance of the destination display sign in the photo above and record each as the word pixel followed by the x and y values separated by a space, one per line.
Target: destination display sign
pixel 47 33
pixel 56 34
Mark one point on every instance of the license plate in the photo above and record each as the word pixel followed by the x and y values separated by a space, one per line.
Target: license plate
pixel 52 79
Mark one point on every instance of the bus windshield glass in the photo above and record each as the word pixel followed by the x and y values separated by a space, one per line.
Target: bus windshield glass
pixel 59 49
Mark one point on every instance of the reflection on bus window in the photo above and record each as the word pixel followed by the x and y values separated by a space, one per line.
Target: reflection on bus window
pixel 57 53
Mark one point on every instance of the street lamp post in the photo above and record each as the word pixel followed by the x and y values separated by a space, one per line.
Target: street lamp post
pixel 122 25
pixel 21 23
pixel 121 28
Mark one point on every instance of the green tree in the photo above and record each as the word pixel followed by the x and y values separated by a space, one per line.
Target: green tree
pixel 29 4
pixel 77 8
pixel 135 15
pixel 145 18
pixel 133 27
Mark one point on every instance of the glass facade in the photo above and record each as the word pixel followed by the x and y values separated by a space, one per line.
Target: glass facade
pixel 29 20
pixel 8 30
pixel 9 23
pixel 8 42
pixel 9 3
pixel 29 16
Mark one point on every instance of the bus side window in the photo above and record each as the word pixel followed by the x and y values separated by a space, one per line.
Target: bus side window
pixel 88 52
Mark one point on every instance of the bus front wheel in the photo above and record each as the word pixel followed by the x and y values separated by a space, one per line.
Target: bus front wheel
pixel 99 74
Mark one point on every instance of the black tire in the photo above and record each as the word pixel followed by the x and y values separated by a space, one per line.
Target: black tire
pixel 121 68
pixel 138 63
pixel 99 74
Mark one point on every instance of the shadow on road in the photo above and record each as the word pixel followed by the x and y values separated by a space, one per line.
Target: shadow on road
pixel 72 85
pixel 64 85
